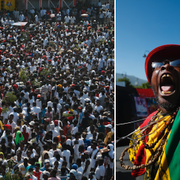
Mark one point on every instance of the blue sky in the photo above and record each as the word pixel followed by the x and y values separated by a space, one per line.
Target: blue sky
pixel 142 25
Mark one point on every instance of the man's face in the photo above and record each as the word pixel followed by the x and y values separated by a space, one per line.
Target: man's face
pixel 165 82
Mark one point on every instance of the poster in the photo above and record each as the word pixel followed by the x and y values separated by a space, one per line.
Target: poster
pixel 152 105
pixel 9 5
pixel 141 107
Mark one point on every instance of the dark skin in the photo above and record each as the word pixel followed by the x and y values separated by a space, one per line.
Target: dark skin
pixel 167 100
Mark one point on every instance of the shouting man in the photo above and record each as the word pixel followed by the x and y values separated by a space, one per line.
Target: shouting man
pixel 155 147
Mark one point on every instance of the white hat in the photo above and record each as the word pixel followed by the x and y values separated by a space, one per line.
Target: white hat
pixel 46 161
pixel 108 126
pixel 46 173
pixel 73 171
pixel 32 123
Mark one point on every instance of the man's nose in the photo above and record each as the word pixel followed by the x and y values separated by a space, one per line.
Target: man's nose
pixel 167 66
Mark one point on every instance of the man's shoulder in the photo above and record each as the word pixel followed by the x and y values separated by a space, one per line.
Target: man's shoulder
pixel 148 119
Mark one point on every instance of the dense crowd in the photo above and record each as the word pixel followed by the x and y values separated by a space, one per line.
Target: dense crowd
pixel 57 96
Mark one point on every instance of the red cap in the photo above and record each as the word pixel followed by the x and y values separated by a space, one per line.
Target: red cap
pixel 47 120
pixel 44 56
pixel 38 96
pixel 161 53
pixel 103 71
pixel 8 126
pixel 49 60
pixel 70 118
pixel 15 86
pixel 28 83
pixel 73 85
pixel 56 122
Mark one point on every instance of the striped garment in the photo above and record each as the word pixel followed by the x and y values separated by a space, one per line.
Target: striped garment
pixel 167 166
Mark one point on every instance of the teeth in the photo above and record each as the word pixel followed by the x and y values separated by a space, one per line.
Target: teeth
pixel 167 92
pixel 167 75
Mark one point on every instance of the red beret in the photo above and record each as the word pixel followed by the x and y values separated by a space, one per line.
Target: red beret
pixel 44 56
pixel 56 122
pixel 161 53
pixel 15 86
pixel 28 83
pixel 47 120
pixel 8 126
pixel 70 118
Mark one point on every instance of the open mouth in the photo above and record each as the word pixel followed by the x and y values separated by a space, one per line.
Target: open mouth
pixel 167 84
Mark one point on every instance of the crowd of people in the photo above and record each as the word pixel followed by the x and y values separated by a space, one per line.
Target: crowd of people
pixel 56 98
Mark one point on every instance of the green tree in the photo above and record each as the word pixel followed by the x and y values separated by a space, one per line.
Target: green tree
pixel 10 97
pixel 24 75
pixel 126 80
pixel 144 86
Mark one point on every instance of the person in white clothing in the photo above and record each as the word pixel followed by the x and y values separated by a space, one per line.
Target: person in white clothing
pixel 94 154
pixel 11 122
pixel 21 17
pixel 100 170
pixel 36 109
pixel 66 154
pixel 98 107
pixel 66 19
pixel 87 165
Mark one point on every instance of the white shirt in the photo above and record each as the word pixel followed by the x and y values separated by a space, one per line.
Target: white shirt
pixel 13 125
pixel 36 18
pixel 73 20
pixel 74 130
pixel 16 117
pixel 58 16
pixel 66 19
pixel 21 17
pixel 88 169
pixel 100 171
pixel 37 110
pixel 66 153
pixel 98 108
pixel 93 161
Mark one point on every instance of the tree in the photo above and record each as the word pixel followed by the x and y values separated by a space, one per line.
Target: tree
pixel 144 86
pixel 126 80
pixel 24 75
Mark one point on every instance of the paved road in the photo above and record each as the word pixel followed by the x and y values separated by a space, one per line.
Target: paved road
pixel 122 174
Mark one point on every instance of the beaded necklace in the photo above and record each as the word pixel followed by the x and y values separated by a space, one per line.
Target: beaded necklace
pixel 162 136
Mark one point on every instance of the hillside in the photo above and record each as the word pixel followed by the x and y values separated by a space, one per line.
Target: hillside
pixel 134 80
